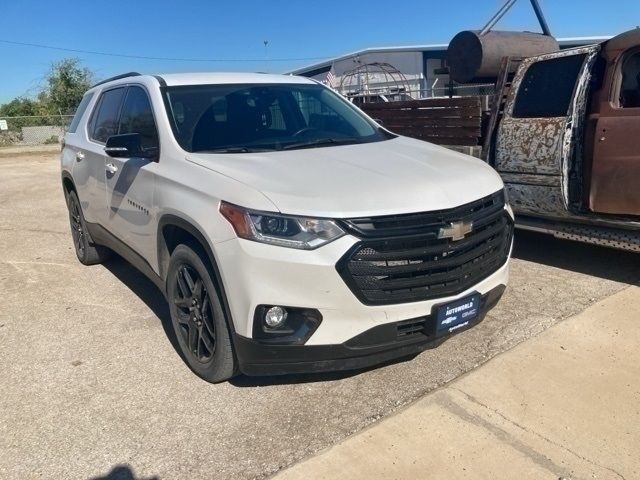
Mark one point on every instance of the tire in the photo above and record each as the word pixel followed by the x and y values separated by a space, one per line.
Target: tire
pixel 197 316
pixel 87 252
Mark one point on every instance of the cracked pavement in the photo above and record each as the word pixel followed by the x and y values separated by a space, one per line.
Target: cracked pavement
pixel 91 381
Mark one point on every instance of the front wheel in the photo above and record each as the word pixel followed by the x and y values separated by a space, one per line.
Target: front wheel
pixel 197 316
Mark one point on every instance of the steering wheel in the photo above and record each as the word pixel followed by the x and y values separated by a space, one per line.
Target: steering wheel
pixel 304 130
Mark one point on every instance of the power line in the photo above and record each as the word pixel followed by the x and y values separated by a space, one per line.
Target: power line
pixel 143 57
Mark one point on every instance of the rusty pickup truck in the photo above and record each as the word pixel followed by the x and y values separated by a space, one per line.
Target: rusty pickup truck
pixel 567 143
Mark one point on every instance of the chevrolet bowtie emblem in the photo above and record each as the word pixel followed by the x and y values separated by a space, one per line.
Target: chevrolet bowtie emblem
pixel 456 230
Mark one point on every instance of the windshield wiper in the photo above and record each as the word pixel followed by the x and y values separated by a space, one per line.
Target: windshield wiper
pixel 320 141
pixel 236 150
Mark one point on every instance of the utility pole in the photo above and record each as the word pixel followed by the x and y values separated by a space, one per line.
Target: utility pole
pixel 266 55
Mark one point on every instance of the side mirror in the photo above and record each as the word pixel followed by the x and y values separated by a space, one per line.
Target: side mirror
pixel 378 121
pixel 129 145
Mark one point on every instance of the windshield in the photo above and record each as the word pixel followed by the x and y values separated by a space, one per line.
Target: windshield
pixel 245 118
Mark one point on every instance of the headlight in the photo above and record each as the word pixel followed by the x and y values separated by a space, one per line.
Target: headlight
pixel 282 230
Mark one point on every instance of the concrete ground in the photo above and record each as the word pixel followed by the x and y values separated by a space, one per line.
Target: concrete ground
pixel 563 405
pixel 91 384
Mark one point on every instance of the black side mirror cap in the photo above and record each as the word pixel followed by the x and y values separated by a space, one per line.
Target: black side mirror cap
pixel 128 145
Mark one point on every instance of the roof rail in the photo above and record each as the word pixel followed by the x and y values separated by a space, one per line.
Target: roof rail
pixel 117 77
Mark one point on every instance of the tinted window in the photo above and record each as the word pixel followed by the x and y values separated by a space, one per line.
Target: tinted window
pixel 272 117
pixel 137 117
pixel 79 112
pixel 630 86
pixel 105 119
pixel 547 87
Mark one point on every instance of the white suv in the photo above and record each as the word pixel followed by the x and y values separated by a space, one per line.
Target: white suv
pixel 288 231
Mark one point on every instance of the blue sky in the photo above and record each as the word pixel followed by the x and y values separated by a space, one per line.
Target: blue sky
pixel 299 31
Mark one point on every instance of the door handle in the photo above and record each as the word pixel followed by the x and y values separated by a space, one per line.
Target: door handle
pixel 79 156
pixel 111 168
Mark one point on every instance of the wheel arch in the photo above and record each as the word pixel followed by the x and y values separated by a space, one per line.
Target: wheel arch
pixel 174 230
pixel 68 185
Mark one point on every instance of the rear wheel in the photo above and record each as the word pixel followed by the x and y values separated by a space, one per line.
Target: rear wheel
pixel 87 252
pixel 197 315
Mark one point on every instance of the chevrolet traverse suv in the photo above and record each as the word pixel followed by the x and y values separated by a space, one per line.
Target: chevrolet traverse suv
pixel 288 231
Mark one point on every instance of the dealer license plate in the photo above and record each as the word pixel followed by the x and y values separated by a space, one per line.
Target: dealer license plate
pixel 458 314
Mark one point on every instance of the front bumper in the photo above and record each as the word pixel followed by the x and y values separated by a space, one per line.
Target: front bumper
pixel 351 335
pixel 375 346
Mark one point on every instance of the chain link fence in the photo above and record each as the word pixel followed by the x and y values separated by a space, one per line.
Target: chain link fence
pixel 33 130
pixel 478 90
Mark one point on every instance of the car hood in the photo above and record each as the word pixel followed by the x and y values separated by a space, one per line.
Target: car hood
pixel 395 176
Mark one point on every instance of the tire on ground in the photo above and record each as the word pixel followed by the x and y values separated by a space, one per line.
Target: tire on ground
pixel 87 252
pixel 222 364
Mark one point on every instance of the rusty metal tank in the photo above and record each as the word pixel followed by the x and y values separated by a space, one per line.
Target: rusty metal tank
pixel 476 56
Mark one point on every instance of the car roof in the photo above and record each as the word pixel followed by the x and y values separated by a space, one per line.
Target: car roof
pixel 203 78
pixel 206 78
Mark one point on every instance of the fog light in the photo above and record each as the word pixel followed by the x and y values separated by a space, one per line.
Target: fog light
pixel 275 317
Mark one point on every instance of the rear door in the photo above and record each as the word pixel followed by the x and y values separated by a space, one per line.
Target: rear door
pixel 615 175
pixel 130 182
pixel 73 156
pixel 538 147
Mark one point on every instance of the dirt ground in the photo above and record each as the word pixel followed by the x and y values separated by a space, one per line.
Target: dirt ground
pixel 91 382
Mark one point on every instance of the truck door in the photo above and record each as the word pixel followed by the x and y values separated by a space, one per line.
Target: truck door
pixel 615 173
pixel 538 143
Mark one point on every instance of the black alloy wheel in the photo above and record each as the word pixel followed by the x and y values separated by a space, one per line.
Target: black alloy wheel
pixel 77 232
pixel 194 313
pixel 87 252
pixel 198 318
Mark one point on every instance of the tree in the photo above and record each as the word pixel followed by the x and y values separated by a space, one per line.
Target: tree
pixel 18 107
pixel 26 109
pixel 66 83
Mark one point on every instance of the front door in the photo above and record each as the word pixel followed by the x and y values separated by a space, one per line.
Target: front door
pixel 535 145
pixel 130 182
pixel 615 178
pixel 103 124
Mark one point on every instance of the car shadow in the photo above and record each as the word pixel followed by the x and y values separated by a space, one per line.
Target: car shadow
pixel 607 263
pixel 243 381
pixel 146 291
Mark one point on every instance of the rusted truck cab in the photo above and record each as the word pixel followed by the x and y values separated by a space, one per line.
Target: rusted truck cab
pixel 568 143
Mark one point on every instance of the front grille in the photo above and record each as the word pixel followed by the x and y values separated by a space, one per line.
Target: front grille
pixel 401 259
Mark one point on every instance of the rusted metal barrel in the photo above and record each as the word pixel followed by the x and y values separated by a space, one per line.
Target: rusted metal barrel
pixel 474 57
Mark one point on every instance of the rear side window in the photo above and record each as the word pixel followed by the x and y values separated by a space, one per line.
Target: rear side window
pixel 137 117
pixel 105 118
pixel 547 87
pixel 79 112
